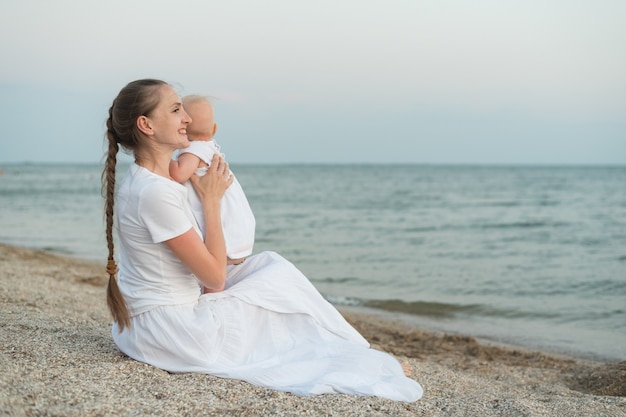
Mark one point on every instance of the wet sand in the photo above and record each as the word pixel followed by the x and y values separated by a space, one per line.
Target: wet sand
pixel 58 359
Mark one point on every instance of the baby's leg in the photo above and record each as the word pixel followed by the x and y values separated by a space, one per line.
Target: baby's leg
pixel 235 261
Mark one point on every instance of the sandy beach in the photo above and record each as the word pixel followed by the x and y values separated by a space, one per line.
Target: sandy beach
pixel 58 359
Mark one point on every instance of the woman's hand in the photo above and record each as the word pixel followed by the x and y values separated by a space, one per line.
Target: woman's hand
pixel 207 260
pixel 212 186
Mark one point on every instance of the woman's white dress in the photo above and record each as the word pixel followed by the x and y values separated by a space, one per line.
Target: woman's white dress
pixel 269 327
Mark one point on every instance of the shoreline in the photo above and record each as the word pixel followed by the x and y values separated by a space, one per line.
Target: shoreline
pixel 416 322
pixel 409 321
pixel 58 358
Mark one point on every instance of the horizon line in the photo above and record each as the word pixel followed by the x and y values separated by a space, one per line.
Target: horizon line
pixel 348 163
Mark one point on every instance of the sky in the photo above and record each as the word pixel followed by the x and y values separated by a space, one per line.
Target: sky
pixel 329 81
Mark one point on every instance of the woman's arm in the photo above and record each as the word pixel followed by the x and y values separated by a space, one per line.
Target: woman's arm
pixel 208 266
pixel 207 260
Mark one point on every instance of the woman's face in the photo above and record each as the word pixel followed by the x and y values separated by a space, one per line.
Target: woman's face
pixel 169 120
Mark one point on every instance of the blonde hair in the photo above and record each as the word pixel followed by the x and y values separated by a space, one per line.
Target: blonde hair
pixel 137 98
pixel 194 98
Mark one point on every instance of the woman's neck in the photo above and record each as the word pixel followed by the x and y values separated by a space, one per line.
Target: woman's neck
pixel 159 165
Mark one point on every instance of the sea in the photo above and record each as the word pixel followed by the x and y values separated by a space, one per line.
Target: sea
pixel 529 256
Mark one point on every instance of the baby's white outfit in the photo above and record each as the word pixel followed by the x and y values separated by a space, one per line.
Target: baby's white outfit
pixel 238 220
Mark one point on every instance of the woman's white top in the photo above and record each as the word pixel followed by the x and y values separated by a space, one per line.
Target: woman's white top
pixel 151 209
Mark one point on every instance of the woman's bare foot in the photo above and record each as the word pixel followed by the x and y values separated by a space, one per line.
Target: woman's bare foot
pixel 406 367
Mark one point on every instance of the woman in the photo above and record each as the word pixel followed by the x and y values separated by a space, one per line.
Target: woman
pixel 265 323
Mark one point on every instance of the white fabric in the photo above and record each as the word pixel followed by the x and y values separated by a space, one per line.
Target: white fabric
pixel 269 327
pixel 238 221
pixel 151 209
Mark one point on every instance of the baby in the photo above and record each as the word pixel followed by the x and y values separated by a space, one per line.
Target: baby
pixel 238 220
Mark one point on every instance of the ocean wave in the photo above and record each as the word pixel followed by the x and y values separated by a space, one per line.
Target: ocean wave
pixel 438 310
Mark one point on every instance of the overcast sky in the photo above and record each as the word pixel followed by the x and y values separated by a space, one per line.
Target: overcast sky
pixel 392 81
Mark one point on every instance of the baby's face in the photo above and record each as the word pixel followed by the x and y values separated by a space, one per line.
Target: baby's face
pixel 202 120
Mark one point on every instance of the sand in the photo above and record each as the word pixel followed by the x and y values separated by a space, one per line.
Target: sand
pixel 58 359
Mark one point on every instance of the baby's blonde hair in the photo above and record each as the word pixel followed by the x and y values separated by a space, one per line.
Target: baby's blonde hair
pixel 194 98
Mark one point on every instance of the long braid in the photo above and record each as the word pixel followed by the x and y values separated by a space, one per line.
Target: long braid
pixel 115 299
pixel 137 98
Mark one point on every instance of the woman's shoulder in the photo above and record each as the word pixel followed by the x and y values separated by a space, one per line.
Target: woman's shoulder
pixel 149 185
pixel 162 189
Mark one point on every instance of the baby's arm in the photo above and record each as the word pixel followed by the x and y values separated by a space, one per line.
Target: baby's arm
pixel 183 169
